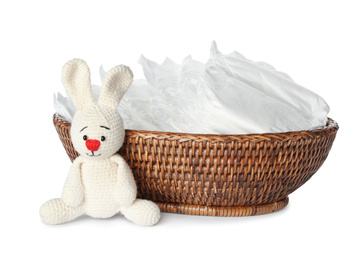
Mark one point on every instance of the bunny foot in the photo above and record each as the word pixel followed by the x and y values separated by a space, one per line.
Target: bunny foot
pixel 55 212
pixel 142 212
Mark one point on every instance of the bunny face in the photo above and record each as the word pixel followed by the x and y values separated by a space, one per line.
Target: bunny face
pixel 97 133
pixel 97 129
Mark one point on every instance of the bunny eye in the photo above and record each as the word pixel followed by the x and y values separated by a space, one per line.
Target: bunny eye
pixel 103 138
pixel 85 137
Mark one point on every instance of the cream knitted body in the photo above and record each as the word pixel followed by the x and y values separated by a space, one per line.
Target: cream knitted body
pixel 100 183
pixel 102 192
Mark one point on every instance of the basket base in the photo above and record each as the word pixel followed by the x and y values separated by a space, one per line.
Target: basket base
pixel 223 211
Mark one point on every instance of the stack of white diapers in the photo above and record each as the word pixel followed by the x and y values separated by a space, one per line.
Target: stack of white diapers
pixel 229 94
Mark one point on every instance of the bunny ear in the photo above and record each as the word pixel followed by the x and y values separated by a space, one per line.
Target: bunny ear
pixel 114 86
pixel 77 81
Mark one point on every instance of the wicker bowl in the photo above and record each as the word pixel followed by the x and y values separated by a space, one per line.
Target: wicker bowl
pixel 219 175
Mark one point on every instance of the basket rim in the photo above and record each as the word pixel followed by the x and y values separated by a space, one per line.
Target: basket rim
pixel 331 126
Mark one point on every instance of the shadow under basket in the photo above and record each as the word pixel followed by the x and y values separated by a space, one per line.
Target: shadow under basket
pixel 219 175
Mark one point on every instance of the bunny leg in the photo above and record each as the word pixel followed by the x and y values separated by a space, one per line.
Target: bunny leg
pixel 142 212
pixel 55 212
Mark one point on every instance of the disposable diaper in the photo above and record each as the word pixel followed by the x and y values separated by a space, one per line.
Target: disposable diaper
pixel 228 94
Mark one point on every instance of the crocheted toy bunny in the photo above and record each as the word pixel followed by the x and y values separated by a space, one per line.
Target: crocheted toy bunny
pixel 100 183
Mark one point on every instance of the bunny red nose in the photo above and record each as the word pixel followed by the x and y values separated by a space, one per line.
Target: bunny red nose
pixel 92 144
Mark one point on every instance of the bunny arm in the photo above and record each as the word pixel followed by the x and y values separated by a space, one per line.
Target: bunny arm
pixel 73 189
pixel 126 189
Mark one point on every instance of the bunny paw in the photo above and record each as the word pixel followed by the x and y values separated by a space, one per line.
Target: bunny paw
pixel 142 212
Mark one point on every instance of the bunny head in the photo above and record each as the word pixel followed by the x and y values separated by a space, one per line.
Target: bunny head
pixel 97 129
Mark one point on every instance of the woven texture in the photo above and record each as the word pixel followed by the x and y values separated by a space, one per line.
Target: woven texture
pixel 219 175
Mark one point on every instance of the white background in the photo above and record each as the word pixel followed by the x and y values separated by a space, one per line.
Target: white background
pixel 318 43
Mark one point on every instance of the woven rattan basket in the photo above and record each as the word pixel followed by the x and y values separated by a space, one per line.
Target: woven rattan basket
pixel 219 175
